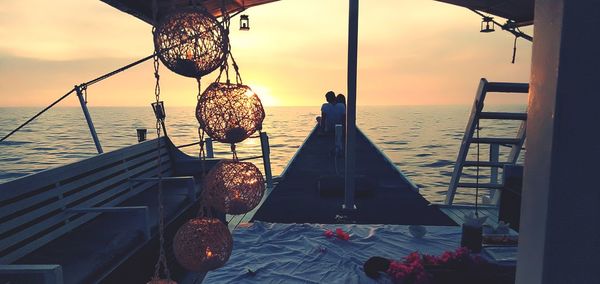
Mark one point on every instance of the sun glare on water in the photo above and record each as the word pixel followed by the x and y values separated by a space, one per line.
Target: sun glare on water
pixel 264 94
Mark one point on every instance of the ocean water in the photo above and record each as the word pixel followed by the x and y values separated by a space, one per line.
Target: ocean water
pixel 423 141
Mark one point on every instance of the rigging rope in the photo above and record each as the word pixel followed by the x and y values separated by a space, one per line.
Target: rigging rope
pixel 106 76
pixel 514 50
pixel 37 115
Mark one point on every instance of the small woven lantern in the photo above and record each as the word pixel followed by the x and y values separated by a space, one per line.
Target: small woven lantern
pixel 193 42
pixel 202 244
pixel 234 187
pixel 229 113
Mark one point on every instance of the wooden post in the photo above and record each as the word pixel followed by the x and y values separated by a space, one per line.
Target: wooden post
pixel 88 118
pixel 28 273
pixel 208 143
pixel 54 275
pixel 559 237
pixel 494 158
pixel 350 165
pixel 266 153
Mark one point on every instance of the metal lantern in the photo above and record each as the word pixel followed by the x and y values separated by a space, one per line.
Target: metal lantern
pixel 487 25
pixel 202 244
pixel 229 113
pixel 191 41
pixel 234 187
pixel 141 134
pixel 244 23
pixel 159 110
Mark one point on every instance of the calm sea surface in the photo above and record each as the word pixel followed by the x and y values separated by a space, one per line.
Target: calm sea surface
pixel 422 141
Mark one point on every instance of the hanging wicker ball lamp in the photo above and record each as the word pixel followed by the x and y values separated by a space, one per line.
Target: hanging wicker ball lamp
pixel 202 244
pixel 193 42
pixel 234 187
pixel 229 113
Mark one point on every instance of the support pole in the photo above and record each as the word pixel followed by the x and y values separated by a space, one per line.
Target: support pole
pixel 351 107
pixel 88 118
pixel 210 153
pixel 266 153
pixel 559 237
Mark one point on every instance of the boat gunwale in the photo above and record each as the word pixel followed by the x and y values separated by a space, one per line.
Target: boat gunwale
pixel 387 159
pixel 49 172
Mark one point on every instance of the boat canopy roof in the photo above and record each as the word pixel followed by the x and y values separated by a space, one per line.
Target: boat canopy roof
pixel 519 11
pixel 143 10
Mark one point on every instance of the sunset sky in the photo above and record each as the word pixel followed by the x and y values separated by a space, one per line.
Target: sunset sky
pixel 411 52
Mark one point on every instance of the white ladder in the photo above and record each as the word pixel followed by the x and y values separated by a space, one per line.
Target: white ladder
pixel 477 114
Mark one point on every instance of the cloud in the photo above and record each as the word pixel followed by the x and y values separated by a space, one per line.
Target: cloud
pixel 410 52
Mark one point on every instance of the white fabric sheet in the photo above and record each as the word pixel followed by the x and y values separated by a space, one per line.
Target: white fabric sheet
pixel 300 253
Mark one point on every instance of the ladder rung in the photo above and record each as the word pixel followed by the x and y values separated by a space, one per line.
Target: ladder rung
pixel 507 87
pixel 481 185
pixel 503 115
pixel 485 164
pixel 496 140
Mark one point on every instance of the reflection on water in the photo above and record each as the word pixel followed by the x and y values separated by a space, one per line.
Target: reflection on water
pixel 422 141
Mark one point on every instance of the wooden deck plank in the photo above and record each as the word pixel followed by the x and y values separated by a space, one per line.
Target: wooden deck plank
pixel 394 199
pixel 457 213
pixel 453 215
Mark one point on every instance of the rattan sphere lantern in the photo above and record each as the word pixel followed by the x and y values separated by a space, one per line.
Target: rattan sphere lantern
pixel 229 113
pixel 192 41
pixel 202 244
pixel 234 187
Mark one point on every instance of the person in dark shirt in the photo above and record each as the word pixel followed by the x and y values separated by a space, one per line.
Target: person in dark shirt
pixel 329 116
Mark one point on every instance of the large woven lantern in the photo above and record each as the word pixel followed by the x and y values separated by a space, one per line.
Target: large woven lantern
pixel 192 41
pixel 202 244
pixel 229 113
pixel 234 187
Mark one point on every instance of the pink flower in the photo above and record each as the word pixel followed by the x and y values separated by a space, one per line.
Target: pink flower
pixel 413 257
pixel 399 266
pixel 430 260
pixel 446 257
pixel 342 235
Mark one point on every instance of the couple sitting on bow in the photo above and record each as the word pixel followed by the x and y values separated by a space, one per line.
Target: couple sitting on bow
pixel 332 112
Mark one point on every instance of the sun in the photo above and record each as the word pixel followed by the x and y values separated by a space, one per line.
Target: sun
pixel 264 94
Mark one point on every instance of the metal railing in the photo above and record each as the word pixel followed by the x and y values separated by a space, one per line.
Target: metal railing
pixel 265 154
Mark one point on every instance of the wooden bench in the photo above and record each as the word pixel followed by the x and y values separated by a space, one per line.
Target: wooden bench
pixel 40 208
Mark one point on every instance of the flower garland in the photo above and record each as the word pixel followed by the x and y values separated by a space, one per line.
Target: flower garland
pixel 419 268
pixel 411 270
pixel 339 233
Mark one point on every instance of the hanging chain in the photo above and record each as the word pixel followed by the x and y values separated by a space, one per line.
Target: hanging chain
pixel 226 22
pixel 234 152
pixel 238 77
pixel 204 210
pixel 201 153
pixel 162 259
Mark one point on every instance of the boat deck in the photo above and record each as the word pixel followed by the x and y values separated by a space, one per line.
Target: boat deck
pixel 457 213
pixel 390 197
